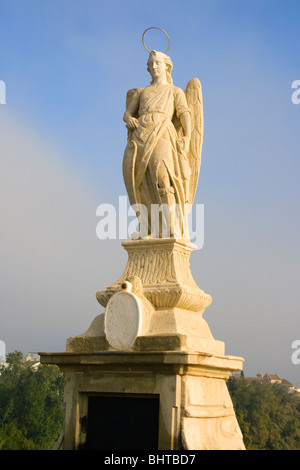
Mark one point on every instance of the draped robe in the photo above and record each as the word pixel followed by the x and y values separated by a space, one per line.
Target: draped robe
pixel 152 144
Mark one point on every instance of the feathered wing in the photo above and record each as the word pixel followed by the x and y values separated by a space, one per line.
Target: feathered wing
pixel 193 93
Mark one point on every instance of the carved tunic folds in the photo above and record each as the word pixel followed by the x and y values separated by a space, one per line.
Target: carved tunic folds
pixel 152 149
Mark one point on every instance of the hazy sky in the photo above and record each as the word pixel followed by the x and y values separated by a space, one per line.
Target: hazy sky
pixel 67 65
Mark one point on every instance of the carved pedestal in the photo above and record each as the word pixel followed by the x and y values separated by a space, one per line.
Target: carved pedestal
pixel 173 355
pixel 163 267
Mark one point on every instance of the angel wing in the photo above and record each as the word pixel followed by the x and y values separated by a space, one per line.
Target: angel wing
pixel 193 93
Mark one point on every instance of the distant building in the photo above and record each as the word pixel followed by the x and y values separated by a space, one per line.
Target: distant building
pixel 275 379
pixel 272 378
pixel 32 357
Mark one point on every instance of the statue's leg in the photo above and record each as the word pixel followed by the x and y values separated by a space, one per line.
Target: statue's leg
pixel 168 209
pixel 164 217
pixel 157 167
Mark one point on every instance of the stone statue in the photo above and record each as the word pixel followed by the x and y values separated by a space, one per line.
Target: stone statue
pixel 152 339
pixel 161 167
pixel 162 158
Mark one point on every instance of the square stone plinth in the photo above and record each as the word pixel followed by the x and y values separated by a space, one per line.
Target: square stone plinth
pixel 195 408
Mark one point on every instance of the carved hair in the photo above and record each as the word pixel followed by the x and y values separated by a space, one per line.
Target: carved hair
pixel 167 61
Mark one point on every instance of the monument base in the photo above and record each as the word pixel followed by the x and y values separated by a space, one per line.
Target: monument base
pixel 148 373
pixel 194 408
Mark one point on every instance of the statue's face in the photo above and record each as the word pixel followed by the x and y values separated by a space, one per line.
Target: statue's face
pixel 156 66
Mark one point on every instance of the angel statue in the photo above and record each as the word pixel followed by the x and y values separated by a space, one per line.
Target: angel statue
pixel 162 158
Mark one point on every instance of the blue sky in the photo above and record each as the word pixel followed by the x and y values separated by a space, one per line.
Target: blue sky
pixel 67 65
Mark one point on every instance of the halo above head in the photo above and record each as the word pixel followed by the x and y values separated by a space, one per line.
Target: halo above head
pixel 154 27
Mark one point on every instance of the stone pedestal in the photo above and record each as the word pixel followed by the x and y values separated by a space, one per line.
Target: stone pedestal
pixel 170 353
pixel 163 266
pixel 195 409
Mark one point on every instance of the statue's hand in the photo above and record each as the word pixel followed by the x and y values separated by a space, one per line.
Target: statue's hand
pixel 132 123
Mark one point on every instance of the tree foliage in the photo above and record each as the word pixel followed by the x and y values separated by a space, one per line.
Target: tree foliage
pixel 31 412
pixel 268 414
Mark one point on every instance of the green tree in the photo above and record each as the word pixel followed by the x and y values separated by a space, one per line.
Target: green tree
pixel 268 414
pixel 31 412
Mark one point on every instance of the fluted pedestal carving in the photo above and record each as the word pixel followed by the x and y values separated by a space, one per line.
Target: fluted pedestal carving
pixel 163 267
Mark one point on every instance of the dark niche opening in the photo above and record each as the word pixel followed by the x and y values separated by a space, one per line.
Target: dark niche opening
pixel 122 422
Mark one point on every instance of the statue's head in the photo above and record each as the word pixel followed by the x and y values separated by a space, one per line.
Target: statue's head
pixel 165 60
